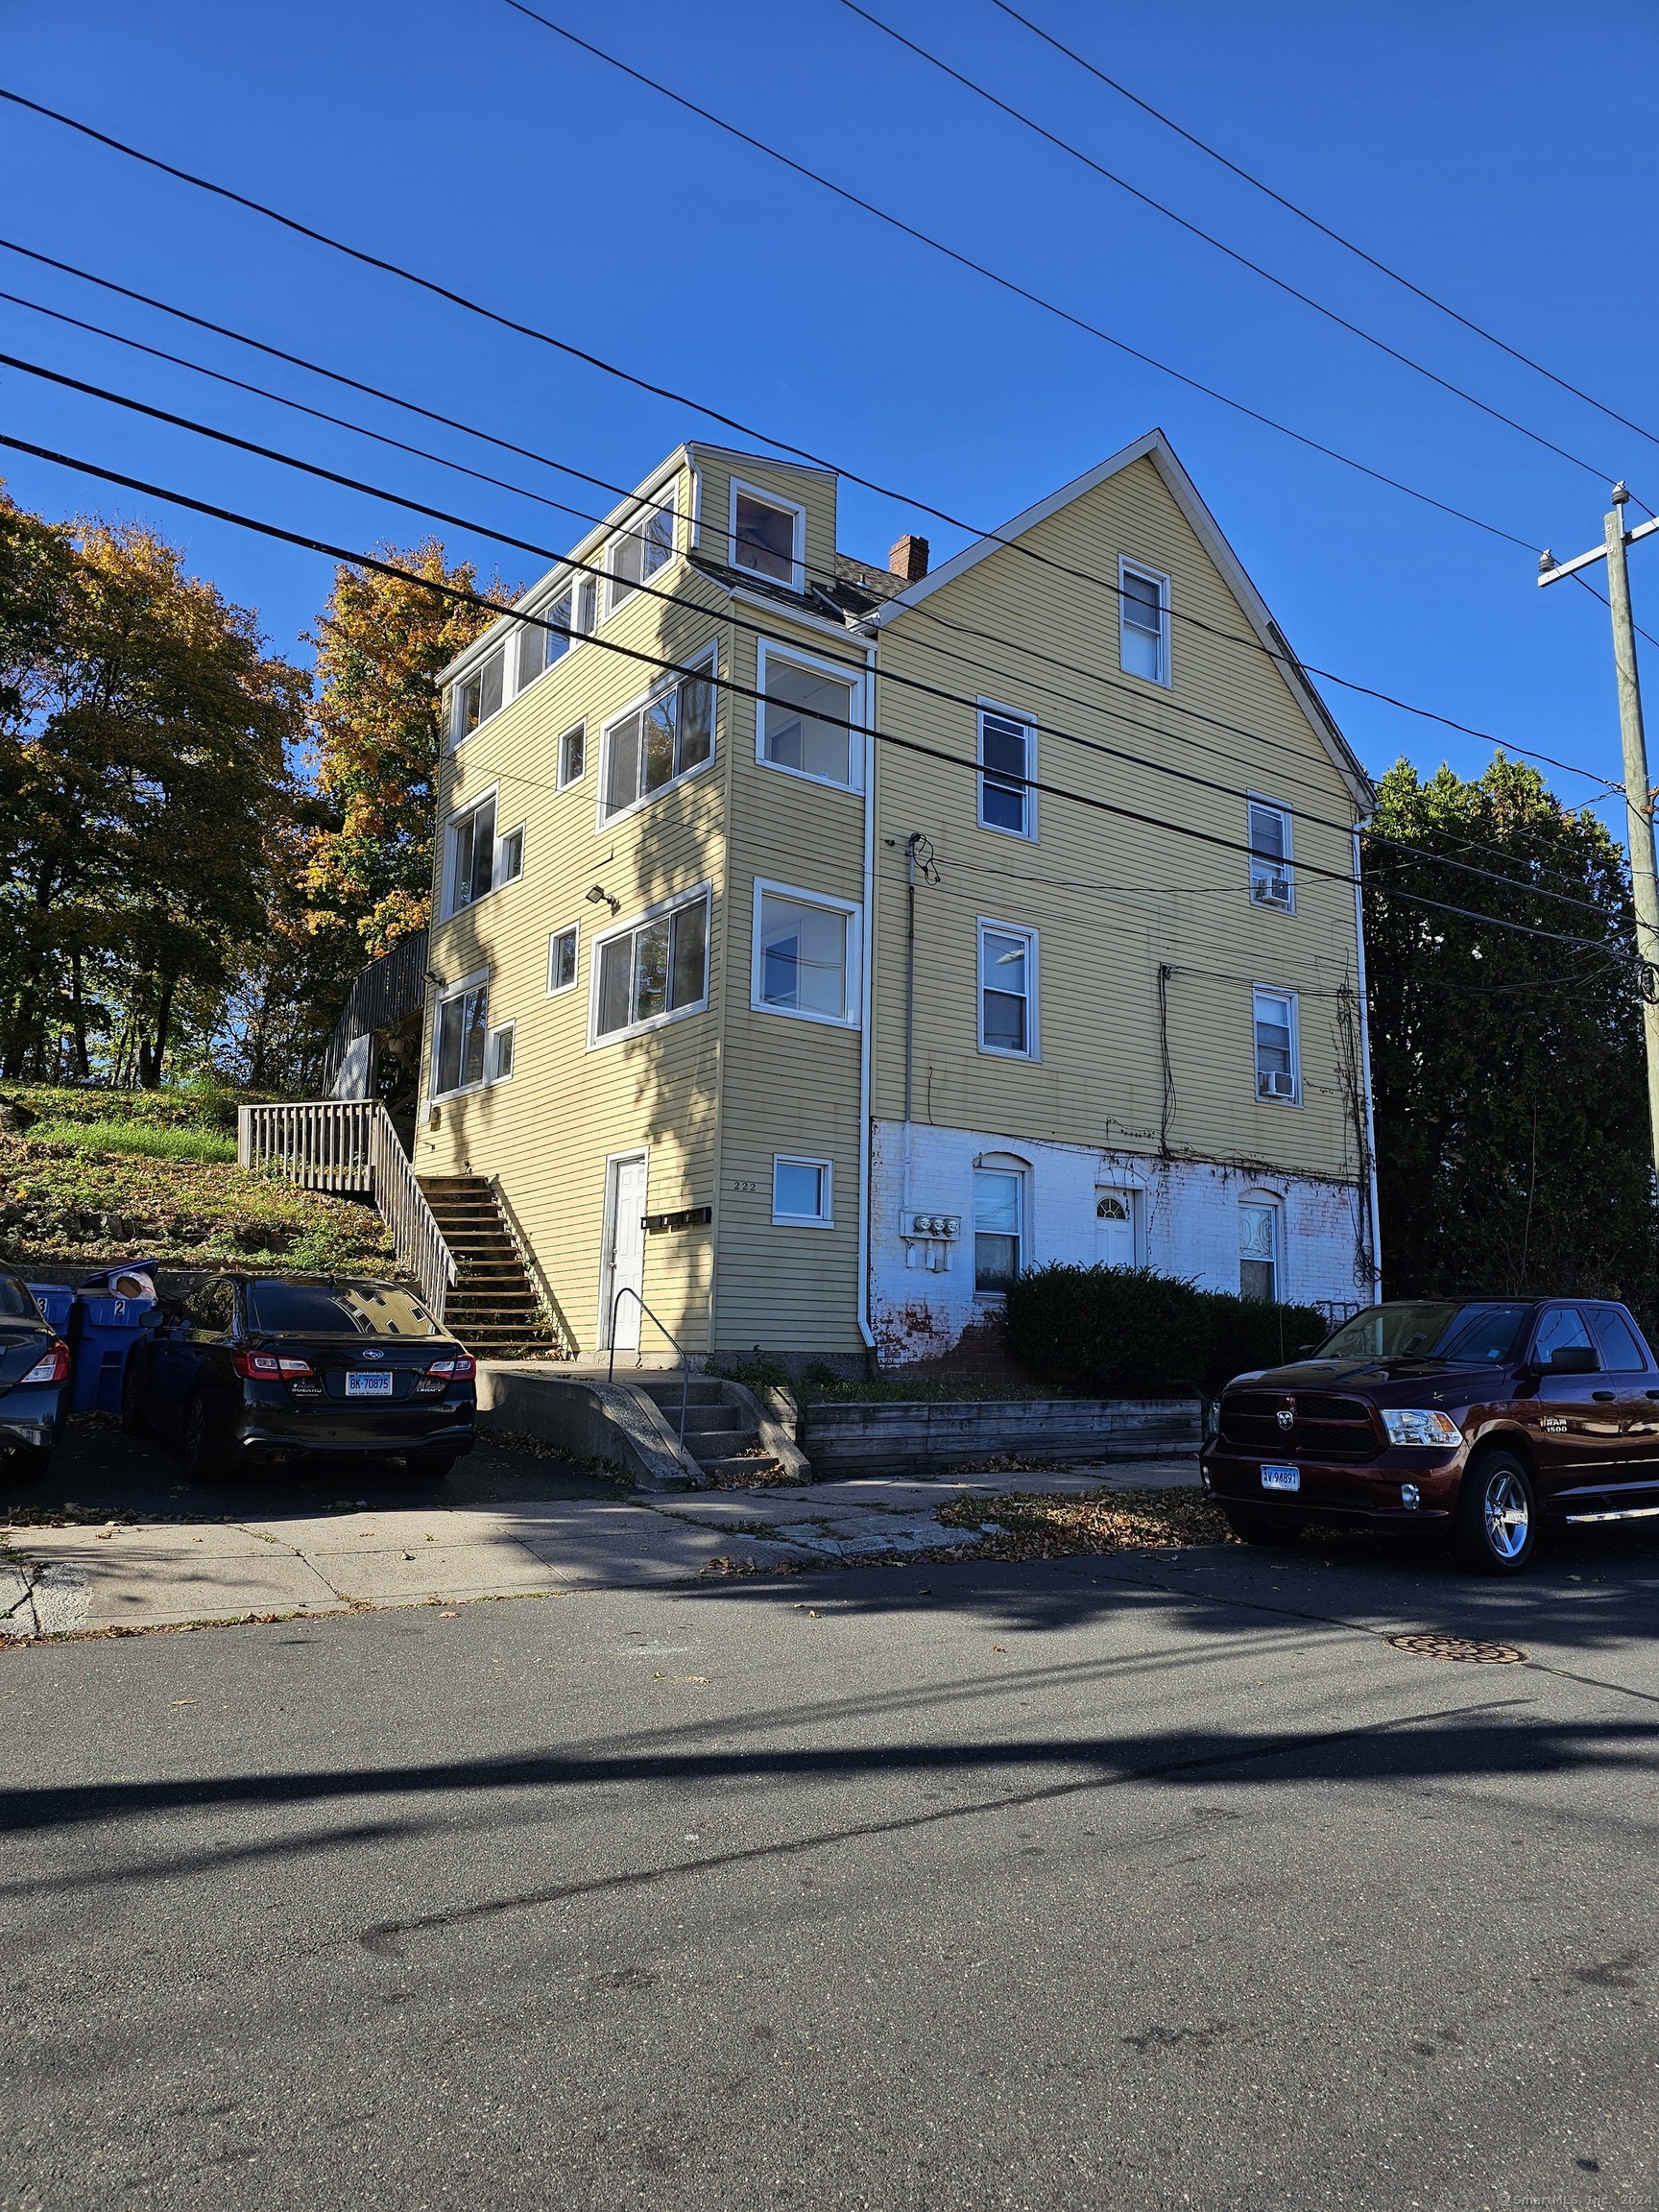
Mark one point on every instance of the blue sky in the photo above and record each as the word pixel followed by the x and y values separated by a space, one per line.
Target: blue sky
pixel 1501 157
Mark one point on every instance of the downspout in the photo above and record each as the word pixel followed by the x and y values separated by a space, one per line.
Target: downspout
pixel 1365 1080
pixel 866 1131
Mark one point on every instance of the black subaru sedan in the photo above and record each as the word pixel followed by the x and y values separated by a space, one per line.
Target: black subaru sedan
pixel 33 1378
pixel 266 1368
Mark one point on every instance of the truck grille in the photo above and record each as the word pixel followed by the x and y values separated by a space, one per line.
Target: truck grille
pixel 1325 1427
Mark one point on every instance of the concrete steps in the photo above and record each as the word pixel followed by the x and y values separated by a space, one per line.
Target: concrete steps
pixel 718 1436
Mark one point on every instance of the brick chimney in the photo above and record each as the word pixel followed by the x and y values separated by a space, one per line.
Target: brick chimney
pixel 909 559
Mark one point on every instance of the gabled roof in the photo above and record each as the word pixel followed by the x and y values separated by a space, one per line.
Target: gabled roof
pixel 1155 447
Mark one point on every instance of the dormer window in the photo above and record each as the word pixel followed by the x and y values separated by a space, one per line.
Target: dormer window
pixel 768 536
pixel 636 556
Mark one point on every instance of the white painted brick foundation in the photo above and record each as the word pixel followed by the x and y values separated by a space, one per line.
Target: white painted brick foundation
pixel 922 1279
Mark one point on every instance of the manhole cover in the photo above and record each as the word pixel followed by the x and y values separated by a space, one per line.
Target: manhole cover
pixel 1468 1649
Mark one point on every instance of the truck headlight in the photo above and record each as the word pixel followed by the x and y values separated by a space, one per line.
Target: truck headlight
pixel 1417 1425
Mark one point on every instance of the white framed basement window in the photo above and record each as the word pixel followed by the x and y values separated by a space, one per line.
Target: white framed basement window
pixel 1007 991
pixel 562 950
pixel 1143 622
pixel 768 535
pixel 802 1192
pixel 805 956
pixel 650 970
pixel 661 739
pixel 1007 754
pixel 1271 882
pixel 460 1037
pixel 476 860
pixel 802 724
pixel 1278 1046
pixel 635 554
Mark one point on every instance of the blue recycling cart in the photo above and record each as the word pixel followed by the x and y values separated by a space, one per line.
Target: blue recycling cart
pixel 55 1301
pixel 110 1311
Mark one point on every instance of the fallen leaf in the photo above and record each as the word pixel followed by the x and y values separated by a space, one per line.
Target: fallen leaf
pixel 998 1647
pixel 186 1700
pixel 448 1616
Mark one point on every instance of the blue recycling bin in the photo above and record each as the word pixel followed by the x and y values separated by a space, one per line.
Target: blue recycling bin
pixel 110 1311
pixel 55 1302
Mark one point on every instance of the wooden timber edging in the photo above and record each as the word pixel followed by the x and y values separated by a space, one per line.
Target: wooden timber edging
pixel 883 1434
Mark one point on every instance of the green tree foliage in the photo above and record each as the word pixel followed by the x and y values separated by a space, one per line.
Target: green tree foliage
pixel 143 776
pixel 1128 1331
pixel 1512 1144
pixel 380 644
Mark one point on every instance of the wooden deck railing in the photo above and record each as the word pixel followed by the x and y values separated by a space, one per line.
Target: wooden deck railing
pixel 349 1146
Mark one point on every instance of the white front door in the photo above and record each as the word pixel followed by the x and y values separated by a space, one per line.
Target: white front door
pixel 624 1249
pixel 1115 1227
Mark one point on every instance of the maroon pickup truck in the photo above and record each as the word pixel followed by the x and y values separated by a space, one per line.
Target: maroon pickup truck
pixel 1478 1417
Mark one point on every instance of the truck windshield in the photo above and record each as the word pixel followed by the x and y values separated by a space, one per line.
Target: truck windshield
pixel 1438 1329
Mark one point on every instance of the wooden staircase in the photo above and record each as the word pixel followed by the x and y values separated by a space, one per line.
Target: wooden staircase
pixel 492 1307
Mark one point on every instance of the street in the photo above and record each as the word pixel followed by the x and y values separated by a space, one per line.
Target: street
pixel 1107 1882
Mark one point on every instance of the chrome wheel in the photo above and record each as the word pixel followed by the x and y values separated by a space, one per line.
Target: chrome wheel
pixel 1508 1513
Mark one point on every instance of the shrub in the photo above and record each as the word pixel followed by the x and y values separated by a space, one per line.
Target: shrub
pixel 1131 1331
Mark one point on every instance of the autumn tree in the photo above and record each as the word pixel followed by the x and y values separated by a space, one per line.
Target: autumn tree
pixel 1512 1144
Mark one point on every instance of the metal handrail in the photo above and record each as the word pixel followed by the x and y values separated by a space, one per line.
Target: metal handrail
pixel 628 1291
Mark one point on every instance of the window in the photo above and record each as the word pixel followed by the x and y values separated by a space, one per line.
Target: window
pixel 1278 1074
pixel 1143 622
pixel 1270 880
pixel 478 695
pixel 1620 1350
pixel 804 721
pixel 1007 753
pixel 998 1208
pixel 479 859
pixel 800 1192
pixel 573 756
pixel 805 956
pixel 767 536
pixel 571 614
pixel 562 960
pixel 655 968
pixel 668 737
pixel 498 1055
pixel 458 1044
pixel 1563 1330
pixel 634 557
pixel 1258 1248
pixel 1007 990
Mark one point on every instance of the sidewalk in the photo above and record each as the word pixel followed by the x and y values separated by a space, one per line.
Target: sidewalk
pixel 156 1575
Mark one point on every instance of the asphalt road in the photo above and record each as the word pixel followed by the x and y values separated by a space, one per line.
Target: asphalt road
pixel 1106 1883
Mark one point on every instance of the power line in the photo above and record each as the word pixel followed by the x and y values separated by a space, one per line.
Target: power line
pixel 1195 230
pixel 1287 663
pixel 922 611
pixel 1324 228
pixel 676 599
pixel 731 685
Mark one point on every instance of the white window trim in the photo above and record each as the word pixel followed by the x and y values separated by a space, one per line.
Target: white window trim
pixel 568 783
pixel 797 542
pixel 854 914
pixel 456 990
pixel 494 1030
pixel 659 501
pixel 1033 1037
pixel 1295 1000
pixel 571 583
pixel 843 672
pixel 1000 1164
pixel 1253 860
pixel 823 1220
pixel 1125 569
pixel 507 646
pixel 563 990
pixel 1271 1203
pixel 1028 721
pixel 660 907
pixel 452 822
pixel 603 821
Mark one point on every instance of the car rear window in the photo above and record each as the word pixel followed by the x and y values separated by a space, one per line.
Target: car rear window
pixel 16 1304
pixel 338 1309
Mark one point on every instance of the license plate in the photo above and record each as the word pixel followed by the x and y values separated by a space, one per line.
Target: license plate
pixel 368 1385
pixel 1278 1478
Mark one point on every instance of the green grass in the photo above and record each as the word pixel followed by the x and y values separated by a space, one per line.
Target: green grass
pixel 193 1105
pixel 148 1140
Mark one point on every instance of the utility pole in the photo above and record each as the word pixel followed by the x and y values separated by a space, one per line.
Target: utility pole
pixel 1637 793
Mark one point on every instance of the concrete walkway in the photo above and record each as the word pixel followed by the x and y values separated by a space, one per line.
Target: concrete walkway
pixel 160 1574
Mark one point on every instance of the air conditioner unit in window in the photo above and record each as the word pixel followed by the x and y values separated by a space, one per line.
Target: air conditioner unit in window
pixel 1271 890
pixel 1276 1085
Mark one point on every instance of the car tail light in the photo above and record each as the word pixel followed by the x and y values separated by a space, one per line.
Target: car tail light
pixel 270 1367
pixel 461 1369
pixel 53 1368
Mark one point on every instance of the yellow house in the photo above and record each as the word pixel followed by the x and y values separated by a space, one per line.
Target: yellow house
pixel 815 944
